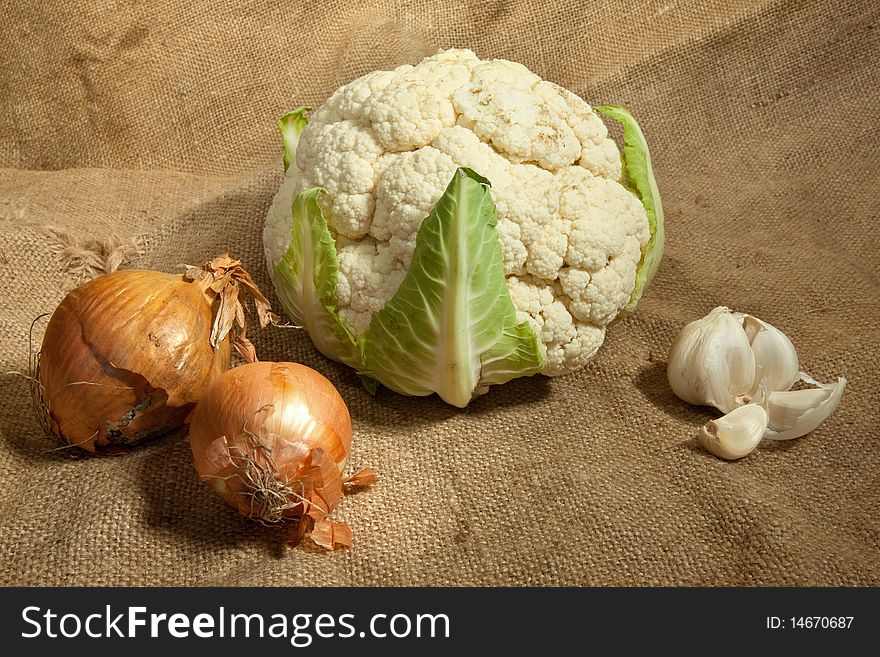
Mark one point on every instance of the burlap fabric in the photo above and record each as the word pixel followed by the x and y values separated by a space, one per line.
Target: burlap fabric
pixel 156 124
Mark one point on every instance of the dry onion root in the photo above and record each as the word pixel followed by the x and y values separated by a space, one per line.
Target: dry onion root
pixel 272 440
pixel 127 355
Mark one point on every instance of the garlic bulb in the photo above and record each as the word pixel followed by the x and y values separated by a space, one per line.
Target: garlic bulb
pixel 734 361
pixel 711 362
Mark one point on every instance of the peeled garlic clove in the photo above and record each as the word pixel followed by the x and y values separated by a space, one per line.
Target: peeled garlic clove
pixel 794 413
pixel 711 362
pixel 775 355
pixel 736 434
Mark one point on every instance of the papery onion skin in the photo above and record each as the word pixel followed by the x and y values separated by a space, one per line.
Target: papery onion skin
pixel 126 356
pixel 289 419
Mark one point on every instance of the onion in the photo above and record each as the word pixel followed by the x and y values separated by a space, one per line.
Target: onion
pixel 127 355
pixel 272 440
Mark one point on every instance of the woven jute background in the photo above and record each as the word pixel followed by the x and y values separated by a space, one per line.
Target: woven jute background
pixel 148 132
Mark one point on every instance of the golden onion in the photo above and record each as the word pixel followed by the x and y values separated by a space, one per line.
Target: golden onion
pixel 272 440
pixel 126 356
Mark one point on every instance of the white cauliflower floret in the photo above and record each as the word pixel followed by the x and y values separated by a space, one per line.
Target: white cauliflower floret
pixel 513 251
pixel 386 146
pixel 598 153
pixel 547 253
pixel 368 276
pixel 566 340
pixel 350 103
pixel 346 172
pixel 276 229
pixel 466 150
pixel 410 186
pixel 518 124
pixel 607 232
pixel 408 114
pixel 531 200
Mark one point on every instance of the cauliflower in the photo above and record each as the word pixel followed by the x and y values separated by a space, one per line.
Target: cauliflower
pixel 541 190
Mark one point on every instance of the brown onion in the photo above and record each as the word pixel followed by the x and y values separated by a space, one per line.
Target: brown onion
pixel 127 355
pixel 272 440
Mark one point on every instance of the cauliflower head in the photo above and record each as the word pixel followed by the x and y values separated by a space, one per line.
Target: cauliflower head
pixel 568 230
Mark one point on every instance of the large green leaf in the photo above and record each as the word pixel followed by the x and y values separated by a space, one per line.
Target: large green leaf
pixel 451 327
pixel 640 175
pixel 305 279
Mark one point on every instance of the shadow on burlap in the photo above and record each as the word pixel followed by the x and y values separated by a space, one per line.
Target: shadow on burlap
pixel 158 127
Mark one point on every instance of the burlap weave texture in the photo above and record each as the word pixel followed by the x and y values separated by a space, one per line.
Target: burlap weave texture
pixel 156 123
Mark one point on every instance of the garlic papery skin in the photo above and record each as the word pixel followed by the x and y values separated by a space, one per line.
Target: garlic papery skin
pixel 775 357
pixel 711 362
pixel 794 413
pixel 736 434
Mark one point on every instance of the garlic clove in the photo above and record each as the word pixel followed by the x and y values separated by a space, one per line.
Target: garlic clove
pixel 736 434
pixel 775 355
pixel 794 413
pixel 711 362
